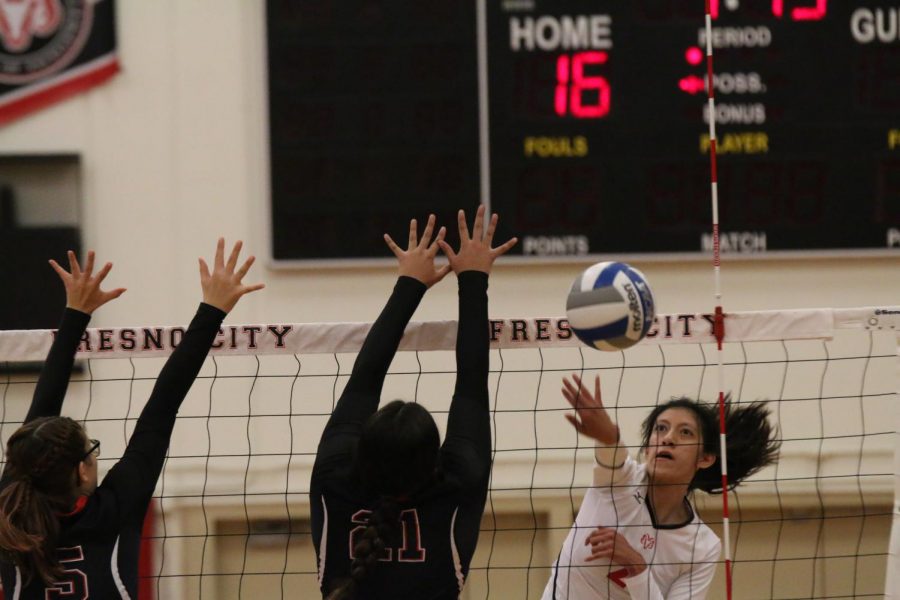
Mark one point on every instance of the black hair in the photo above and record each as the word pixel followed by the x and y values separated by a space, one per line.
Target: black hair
pixel 396 457
pixel 398 449
pixel 752 441
pixel 42 465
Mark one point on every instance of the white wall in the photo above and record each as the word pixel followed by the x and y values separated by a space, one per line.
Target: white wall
pixel 174 154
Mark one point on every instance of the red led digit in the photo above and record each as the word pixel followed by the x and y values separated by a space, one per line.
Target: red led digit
pixel 562 85
pixel 568 98
pixel 581 82
pixel 802 13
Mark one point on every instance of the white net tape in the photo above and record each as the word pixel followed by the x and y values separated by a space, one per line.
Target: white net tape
pixel 232 509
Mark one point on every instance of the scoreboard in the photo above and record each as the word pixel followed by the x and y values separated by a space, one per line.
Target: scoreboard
pixel 584 124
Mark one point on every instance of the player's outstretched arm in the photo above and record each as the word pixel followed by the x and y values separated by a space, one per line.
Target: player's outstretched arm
pixel 136 474
pixel 83 297
pixel 468 442
pixel 416 273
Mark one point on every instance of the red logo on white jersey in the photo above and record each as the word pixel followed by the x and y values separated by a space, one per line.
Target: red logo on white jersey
pixel 648 541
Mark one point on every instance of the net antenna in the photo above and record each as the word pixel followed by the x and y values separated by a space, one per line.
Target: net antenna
pixel 719 322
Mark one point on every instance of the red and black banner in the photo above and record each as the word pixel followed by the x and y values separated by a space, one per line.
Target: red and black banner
pixel 53 49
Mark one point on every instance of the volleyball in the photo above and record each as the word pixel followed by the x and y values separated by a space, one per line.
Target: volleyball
pixel 610 306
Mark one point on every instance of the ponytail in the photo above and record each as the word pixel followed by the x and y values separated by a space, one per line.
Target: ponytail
pixel 751 443
pixel 42 465
pixel 382 527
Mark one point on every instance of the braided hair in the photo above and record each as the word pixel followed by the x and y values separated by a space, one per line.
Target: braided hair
pixel 396 457
pixel 42 467
pixel 752 441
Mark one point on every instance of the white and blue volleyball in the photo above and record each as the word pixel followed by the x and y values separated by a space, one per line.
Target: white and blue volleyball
pixel 610 306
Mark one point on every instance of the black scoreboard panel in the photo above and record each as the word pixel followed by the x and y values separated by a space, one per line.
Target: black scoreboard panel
pixel 598 123
pixel 373 120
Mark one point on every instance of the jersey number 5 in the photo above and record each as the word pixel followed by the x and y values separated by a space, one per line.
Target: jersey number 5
pixel 411 551
pixel 74 584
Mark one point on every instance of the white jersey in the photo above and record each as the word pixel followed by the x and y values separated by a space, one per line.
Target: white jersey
pixel 681 559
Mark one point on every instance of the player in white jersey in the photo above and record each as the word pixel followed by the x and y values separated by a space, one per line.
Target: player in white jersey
pixel 637 534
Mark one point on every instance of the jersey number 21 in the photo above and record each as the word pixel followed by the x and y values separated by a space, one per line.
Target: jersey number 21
pixel 411 551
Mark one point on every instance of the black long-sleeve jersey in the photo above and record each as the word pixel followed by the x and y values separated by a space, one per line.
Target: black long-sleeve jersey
pixel 99 540
pixel 437 534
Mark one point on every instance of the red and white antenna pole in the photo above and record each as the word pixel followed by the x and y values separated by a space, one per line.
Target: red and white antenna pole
pixel 719 322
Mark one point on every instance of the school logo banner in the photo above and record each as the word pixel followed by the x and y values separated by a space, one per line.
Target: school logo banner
pixel 53 49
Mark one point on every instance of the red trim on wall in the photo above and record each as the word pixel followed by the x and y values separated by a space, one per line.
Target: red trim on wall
pixel 55 93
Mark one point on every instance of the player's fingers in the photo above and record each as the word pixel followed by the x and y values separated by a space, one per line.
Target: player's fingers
pixel 204 270
pixel 220 254
pixel 442 272
pixel 233 257
pixel 575 423
pixel 478 226
pixel 578 382
pixel 572 389
pixel 74 267
pixel 252 288
pixel 463 227
pixel 63 274
pixel 597 398
pixel 505 247
pixel 412 234
pixel 245 267
pixel 434 247
pixel 573 400
pixel 113 294
pixel 392 245
pixel 491 228
pixel 102 273
pixel 426 233
pixel 570 393
pixel 447 250
pixel 599 539
pixel 89 265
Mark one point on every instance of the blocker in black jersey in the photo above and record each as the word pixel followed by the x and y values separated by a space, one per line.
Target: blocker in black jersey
pixel 99 539
pixel 428 555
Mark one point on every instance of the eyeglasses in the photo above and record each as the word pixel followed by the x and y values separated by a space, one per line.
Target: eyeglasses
pixel 94 450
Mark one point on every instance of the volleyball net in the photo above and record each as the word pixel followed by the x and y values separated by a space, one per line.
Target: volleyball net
pixel 231 513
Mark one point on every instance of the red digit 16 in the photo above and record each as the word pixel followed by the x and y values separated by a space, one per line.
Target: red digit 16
pixel 572 82
pixel 799 13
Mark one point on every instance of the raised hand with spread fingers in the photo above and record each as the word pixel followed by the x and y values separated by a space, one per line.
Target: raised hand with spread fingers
pixel 475 251
pixel 417 261
pixel 83 291
pixel 222 287
pixel 590 416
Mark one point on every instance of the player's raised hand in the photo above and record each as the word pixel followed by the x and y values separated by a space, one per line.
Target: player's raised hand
pixel 83 291
pixel 222 287
pixel 590 417
pixel 417 261
pixel 475 251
